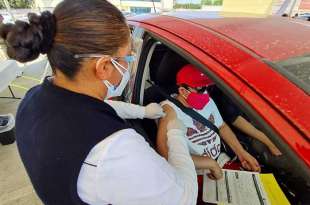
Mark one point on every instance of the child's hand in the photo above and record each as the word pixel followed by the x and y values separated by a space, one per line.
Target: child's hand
pixel 249 162
pixel 215 171
pixel 274 150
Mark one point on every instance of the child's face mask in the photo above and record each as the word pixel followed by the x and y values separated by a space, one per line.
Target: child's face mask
pixel 198 100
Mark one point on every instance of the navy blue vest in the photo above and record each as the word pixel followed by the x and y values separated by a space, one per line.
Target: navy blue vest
pixel 55 131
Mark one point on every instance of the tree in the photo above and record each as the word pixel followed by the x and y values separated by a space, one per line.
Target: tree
pixel 17 4
pixel 212 2
pixel 187 6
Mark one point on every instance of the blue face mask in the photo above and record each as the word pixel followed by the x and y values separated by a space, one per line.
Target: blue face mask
pixel 114 91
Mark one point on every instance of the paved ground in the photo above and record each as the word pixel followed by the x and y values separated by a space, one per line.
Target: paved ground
pixel 15 187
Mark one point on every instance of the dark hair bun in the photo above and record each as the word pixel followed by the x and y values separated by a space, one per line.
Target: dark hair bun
pixel 5 29
pixel 25 41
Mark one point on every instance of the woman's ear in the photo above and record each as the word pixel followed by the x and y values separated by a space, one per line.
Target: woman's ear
pixel 183 92
pixel 103 69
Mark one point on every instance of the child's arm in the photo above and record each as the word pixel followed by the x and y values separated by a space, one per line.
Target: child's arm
pixel 205 162
pixel 246 127
pixel 200 162
pixel 161 139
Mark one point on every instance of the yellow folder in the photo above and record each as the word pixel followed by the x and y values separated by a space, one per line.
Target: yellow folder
pixel 274 192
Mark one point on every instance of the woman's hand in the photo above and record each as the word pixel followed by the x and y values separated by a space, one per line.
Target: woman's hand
pixel 249 162
pixel 153 111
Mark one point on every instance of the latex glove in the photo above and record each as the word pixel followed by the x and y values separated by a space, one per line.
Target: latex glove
pixel 176 124
pixel 153 111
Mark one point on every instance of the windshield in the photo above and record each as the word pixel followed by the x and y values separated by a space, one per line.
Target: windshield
pixel 297 70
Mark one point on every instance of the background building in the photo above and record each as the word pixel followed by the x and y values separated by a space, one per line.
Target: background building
pixel 132 6
pixel 304 6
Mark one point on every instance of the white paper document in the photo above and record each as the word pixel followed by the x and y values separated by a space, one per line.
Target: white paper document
pixel 235 188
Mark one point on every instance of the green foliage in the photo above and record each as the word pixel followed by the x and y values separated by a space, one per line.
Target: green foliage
pixel 17 4
pixel 206 2
pixel 187 6
pixel 212 2
pixel 218 2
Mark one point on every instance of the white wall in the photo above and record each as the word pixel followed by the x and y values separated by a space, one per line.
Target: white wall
pixel 167 5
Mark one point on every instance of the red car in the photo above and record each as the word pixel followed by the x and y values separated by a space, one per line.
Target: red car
pixel 261 64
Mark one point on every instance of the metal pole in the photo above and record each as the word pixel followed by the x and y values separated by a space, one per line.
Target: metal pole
pixel 8 8
pixel 11 91
pixel 283 8
pixel 154 6
pixel 292 8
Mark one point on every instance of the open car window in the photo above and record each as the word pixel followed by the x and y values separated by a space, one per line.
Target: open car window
pixel 136 47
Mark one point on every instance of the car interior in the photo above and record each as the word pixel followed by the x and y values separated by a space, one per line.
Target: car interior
pixel 161 67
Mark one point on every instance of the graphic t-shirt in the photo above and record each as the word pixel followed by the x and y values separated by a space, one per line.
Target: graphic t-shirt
pixel 201 139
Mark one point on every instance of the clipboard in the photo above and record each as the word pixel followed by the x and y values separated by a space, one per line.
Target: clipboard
pixel 242 187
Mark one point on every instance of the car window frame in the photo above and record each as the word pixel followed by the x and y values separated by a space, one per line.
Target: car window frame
pixel 137 45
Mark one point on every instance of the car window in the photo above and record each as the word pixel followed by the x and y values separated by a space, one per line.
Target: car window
pixel 136 46
pixel 146 71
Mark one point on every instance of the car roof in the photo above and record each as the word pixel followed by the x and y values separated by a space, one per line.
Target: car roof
pixel 273 38
pixel 269 39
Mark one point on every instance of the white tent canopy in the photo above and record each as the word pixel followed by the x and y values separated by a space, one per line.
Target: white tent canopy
pixel 9 70
pixel 46 3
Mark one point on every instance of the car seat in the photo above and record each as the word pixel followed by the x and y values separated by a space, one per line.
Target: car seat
pixel 162 74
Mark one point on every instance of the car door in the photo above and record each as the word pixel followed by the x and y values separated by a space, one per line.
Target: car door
pixel 300 172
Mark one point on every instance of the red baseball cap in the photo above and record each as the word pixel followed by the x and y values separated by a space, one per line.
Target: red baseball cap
pixel 191 76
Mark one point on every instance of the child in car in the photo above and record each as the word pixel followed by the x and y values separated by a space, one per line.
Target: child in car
pixel 204 143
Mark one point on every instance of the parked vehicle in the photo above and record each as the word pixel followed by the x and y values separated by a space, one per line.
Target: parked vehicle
pixel 304 16
pixel 261 64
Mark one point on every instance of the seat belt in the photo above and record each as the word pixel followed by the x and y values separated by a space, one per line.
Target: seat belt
pixel 192 113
